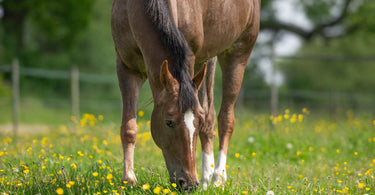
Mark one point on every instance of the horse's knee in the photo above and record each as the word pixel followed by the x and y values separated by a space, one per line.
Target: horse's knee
pixel 226 121
pixel 129 131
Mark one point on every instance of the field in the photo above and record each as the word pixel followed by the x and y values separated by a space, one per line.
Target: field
pixel 295 153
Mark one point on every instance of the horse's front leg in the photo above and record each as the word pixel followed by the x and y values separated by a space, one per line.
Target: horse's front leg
pixel 233 67
pixel 207 133
pixel 130 83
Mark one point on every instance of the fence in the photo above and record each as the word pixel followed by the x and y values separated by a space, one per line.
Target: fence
pixel 328 101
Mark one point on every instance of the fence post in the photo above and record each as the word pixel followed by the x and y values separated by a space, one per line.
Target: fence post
pixel 74 76
pixel 274 87
pixel 15 95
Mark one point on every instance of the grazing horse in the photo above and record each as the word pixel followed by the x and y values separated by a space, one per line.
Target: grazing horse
pixel 175 44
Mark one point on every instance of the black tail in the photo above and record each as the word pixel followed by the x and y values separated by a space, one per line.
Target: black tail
pixel 175 42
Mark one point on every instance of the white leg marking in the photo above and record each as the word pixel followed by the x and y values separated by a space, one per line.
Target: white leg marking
pixel 208 164
pixel 220 174
pixel 189 122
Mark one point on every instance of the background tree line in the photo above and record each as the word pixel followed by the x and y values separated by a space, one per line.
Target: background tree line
pixel 57 35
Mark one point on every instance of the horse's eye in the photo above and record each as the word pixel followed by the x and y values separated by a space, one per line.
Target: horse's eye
pixel 170 123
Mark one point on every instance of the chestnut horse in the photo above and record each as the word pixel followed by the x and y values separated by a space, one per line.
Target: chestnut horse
pixel 167 41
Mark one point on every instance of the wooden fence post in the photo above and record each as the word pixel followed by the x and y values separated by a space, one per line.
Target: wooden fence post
pixel 274 87
pixel 74 76
pixel 15 95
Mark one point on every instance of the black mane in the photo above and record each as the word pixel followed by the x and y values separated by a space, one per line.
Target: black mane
pixel 175 42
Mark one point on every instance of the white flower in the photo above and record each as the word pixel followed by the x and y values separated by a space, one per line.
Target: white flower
pixel 270 193
pixel 250 140
pixel 289 146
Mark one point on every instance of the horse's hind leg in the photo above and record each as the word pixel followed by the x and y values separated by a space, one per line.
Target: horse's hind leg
pixel 207 133
pixel 130 83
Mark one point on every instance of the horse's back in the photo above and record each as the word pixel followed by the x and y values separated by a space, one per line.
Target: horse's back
pixel 209 26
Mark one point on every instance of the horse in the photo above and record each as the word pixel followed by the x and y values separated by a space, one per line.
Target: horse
pixel 175 44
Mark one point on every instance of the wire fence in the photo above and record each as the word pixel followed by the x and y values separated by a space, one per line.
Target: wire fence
pixel 327 101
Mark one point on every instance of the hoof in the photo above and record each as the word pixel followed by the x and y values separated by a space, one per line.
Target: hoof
pixel 129 178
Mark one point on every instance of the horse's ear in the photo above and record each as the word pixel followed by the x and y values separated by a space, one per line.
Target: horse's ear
pixel 166 77
pixel 199 77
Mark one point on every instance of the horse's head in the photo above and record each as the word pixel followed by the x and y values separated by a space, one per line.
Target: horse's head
pixel 175 131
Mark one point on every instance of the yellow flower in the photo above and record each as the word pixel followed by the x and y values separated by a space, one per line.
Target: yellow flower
pixel 100 117
pixel 141 113
pixel 29 149
pixel 212 165
pixel 72 182
pixel 368 189
pixel 237 155
pixel 289 187
pixel 26 171
pixel 95 174
pixel 109 176
pixel 253 154
pixel 298 153
pixel 300 118
pixel 361 185
pixel 356 153
pixel 166 191
pixel 59 191
pixel 146 186
pixel 157 190
pixel 100 161
pixel 174 185
pixel 340 181
pixel 245 192
pixel 337 150
pixel 68 185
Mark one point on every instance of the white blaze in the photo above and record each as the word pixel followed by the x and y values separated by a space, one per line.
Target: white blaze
pixel 189 122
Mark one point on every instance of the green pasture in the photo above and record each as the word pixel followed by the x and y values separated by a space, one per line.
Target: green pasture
pixel 294 153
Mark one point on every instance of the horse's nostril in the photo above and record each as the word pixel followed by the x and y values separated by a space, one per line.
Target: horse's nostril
pixel 182 183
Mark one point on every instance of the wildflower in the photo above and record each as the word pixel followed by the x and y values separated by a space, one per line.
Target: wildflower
pixel 244 192
pixel 26 171
pixel 100 161
pixel 59 191
pixel 368 189
pixel 356 153
pixel 157 190
pixel 100 117
pixel 253 154
pixel 250 140
pixel 146 186
pixel 361 185
pixel 105 142
pixel 72 182
pixel 286 116
pixel 166 191
pixel 141 113
pixel 95 174
pixel 289 187
pixel 174 185
pixel 29 149
pixel 289 146
pixel 237 155
pixel 270 192
pixel 298 153
pixel 300 118
pixel 337 151
pixel 340 181
pixel 368 172
pixel 109 176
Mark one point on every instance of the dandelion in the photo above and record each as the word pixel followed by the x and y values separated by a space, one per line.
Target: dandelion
pixel 29 149
pixel 356 153
pixel 289 187
pixel 253 154
pixel 157 190
pixel 368 172
pixel 72 182
pixel 298 153
pixel 109 176
pixel 237 155
pixel 146 186
pixel 100 117
pixel 26 171
pixel 59 191
pixel 337 151
pixel 141 113
pixel 300 118
pixel 361 185
pixel 244 192
pixel 174 185
pixel 100 161
pixel 368 189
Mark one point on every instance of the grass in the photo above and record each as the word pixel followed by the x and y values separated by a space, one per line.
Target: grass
pixel 298 154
